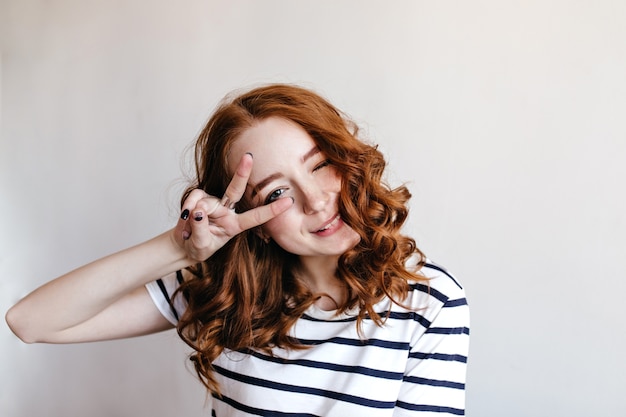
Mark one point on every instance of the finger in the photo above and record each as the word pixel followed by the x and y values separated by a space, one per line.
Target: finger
pixel 192 199
pixel 237 186
pixel 258 216
pixel 183 228
pixel 198 223
pixel 182 231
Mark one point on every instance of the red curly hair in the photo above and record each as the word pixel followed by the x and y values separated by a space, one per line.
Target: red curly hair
pixel 246 295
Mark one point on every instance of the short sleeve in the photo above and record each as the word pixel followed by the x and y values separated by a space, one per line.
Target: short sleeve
pixel 161 292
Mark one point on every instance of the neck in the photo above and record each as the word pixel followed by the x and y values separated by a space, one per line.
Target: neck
pixel 320 275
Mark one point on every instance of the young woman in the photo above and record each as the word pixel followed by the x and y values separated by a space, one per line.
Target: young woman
pixel 287 273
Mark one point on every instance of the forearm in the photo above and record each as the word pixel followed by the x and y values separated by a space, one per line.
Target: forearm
pixel 82 294
pixel 103 292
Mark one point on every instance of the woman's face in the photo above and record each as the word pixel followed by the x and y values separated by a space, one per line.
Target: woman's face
pixel 288 163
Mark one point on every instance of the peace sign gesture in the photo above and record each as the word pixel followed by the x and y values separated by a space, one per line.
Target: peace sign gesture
pixel 207 222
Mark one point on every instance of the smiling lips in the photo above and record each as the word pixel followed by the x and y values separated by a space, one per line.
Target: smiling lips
pixel 330 227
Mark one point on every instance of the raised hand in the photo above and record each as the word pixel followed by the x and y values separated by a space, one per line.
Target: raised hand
pixel 208 222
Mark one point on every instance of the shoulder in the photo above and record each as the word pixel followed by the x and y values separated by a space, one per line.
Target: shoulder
pixel 442 282
pixel 439 288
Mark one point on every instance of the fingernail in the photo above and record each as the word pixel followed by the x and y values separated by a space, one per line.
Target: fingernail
pixel 186 235
pixel 197 216
pixel 185 214
pixel 250 153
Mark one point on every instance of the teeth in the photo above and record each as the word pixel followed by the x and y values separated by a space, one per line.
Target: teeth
pixel 329 225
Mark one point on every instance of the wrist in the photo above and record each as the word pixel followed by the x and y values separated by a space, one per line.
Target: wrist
pixel 178 256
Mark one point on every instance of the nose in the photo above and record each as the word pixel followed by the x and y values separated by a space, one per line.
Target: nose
pixel 314 198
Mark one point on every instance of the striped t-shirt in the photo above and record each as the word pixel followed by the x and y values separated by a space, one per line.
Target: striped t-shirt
pixel 414 365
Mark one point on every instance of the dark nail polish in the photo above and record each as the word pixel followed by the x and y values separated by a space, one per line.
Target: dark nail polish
pixel 197 216
pixel 185 214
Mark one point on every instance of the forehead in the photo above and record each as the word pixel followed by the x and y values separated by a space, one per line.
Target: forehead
pixel 272 142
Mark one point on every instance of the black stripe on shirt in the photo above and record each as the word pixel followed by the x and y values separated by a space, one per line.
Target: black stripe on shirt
pixel 304 390
pixel 434 382
pixel 344 320
pixel 259 411
pixel 448 330
pixel 431 408
pixel 455 303
pixel 438 357
pixel 430 291
pixel 167 297
pixel 440 269
pixel 397 315
pixel 409 315
pixel 357 342
pixel 361 370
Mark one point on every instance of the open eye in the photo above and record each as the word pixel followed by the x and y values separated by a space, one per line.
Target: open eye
pixel 274 195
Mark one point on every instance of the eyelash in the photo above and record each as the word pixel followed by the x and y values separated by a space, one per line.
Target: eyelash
pixel 273 195
pixel 323 164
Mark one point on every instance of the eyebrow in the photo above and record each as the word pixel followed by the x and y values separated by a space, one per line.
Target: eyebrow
pixel 255 190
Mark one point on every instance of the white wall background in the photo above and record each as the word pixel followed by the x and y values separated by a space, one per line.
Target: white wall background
pixel 506 118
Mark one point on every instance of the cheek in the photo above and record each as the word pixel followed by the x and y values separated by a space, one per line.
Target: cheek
pixel 277 227
pixel 333 180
